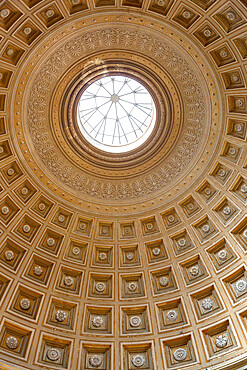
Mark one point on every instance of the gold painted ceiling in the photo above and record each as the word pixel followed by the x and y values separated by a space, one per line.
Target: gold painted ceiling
pixel 131 261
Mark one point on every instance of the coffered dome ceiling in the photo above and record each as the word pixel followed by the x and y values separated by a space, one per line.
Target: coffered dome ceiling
pixel 135 259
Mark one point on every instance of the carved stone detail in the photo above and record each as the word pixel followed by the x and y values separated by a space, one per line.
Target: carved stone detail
pixel 193 124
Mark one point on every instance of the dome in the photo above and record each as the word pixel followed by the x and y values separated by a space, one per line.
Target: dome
pixel 123 184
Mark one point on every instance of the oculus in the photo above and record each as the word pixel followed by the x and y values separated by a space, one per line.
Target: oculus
pixel 116 113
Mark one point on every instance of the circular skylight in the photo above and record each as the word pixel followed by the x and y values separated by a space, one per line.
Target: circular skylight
pixel 116 114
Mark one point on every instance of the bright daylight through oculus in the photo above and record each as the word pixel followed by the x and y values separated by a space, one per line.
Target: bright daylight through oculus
pixel 116 114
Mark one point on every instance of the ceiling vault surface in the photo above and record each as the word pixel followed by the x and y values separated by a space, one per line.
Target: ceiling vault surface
pixel 123 184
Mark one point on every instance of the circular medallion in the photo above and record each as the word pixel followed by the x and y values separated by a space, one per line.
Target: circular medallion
pixel 207 304
pixel 9 255
pixel 53 354
pixel 221 341
pixel 205 228
pixel 25 304
pixel 97 321
pixel 130 256
pixel 172 315
pixel 132 286
pixel 180 354
pixel 95 361
pixel 138 360
pixel 194 271
pixel 38 270
pixel 135 321
pixel 76 251
pixel 24 191
pixel 5 210
pixel 50 242
pixel 100 287
pixel 26 228
pixel 102 256
pixel 156 251
pixel 12 342
pixel 68 281
pixel 241 285
pixel 163 281
pixel 222 254
pixel 60 315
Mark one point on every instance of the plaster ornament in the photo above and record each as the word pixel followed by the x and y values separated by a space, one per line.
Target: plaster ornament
pixel 25 304
pixel 61 218
pixel 161 2
pixel 149 226
pixel 130 256
pixel 1 148
pixel 222 254
pixel 180 354
pixel 207 304
pixel 127 230
pixel 60 315
pixel 171 218
pixel 222 173
pixel 9 255
pixel 10 52
pixel 97 321
pixel 49 13
pixel 241 285
pixel 138 360
pixel 41 206
pixel 100 287
pixel 239 103
pixel 208 191
pixel 227 210
pixel 245 233
pixel 4 13
pixel 68 281
pixel 205 228
pixel 182 242
pixel 83 226
pixel 38 270
pixel 10 172
pixel 235 78
pixel 24 191
pixel 186 14
pixel 50 242
pixel 53 354
pixel 223 53
pixel 194 271
pixel 207 32
pixel 104 230
pixel 95 361
pixel 27 30
pixel 231 16
pixel 5 210
pixel 156 251
pixel 221 341
pixel 163 281
pixel 76 178
pixel 132 286
pixel 76 251
pixel 172 315
pixel 190 207
pixel 12 342
pixel 102 256
pixel 238 127
pixel 135 321
pixel 243 189
pixel 232 151
pixel 26 228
